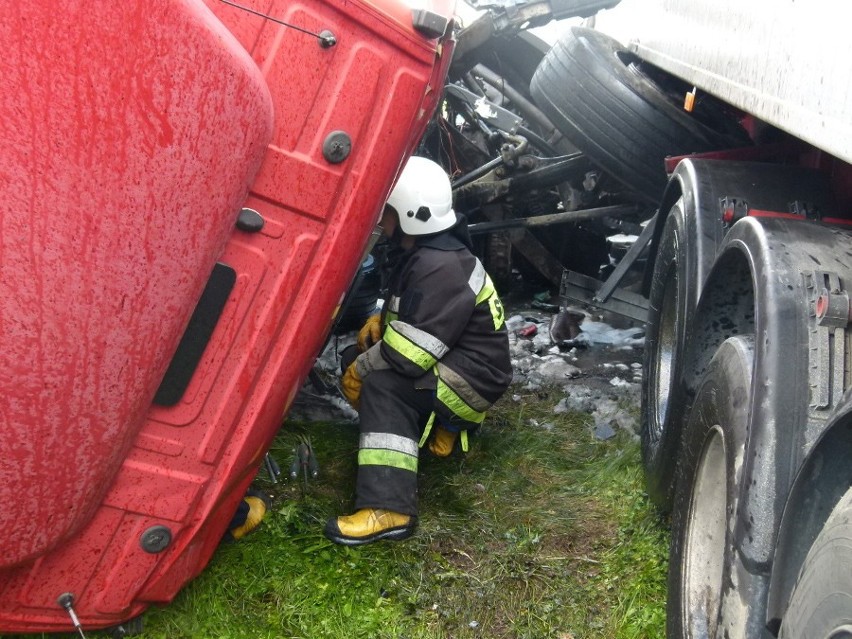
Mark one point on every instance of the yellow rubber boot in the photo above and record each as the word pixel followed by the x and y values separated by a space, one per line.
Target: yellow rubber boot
pixel 256 512
pixel 368 525
pixel 442 442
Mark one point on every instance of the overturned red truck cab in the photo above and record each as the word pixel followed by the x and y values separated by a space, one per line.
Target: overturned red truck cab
pixel 187 189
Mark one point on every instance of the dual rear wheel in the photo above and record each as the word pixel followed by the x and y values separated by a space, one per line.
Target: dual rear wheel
pixel 821 603
pixel 711 594
pixel 625 116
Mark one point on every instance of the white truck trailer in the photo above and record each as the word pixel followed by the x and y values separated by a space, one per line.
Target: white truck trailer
pixel 747 414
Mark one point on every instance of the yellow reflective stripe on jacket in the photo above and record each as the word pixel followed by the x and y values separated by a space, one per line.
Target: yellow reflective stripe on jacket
pixel 392 310
pixel 497 312
pixel 421 338
pixel 451 400
pixel 408 349
pixel 486 291
pixel 481 284
pixel 461 387
pixel 427 430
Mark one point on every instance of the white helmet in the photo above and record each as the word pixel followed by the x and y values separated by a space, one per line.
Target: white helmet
pixel 423 198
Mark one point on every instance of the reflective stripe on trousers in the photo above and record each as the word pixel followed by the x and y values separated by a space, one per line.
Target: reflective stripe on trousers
pixel 387 449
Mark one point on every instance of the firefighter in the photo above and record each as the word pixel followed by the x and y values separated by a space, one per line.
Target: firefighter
pixel 431 365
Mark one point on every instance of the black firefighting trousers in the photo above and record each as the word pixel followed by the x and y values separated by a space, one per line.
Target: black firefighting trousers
pixel 394 411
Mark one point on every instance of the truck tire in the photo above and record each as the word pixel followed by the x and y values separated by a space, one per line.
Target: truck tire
pixel 663 398
pixel 597 94
pixel 821 603
pixel 703 575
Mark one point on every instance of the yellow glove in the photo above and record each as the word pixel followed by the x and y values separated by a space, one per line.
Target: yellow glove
pixel 370 333
pixel 351 384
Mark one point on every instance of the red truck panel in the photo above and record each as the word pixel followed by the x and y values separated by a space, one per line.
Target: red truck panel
pixel 116 201
pixel 135 131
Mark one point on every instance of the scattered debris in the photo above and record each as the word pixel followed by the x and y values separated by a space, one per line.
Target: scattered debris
pixel 565 326
pixel 530 330
pixel 597 363
pixel 604 431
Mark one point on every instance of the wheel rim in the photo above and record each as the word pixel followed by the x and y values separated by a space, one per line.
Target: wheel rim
pixel 667 351
pixel 843 632
pixel 704 546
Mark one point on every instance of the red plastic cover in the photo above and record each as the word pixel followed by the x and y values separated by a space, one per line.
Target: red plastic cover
pixel 132 135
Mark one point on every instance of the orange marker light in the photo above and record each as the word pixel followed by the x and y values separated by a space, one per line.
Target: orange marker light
pixel 689 101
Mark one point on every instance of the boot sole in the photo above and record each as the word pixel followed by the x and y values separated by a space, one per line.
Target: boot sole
pixel 393 534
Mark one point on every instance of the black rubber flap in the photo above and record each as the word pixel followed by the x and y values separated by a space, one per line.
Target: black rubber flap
pixel 198 332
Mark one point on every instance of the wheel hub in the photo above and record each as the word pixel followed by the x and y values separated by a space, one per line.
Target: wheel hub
pixel 667 340
pixel 705 539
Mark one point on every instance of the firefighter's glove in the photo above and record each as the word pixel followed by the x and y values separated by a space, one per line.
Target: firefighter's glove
pixel 370 333
pixel 351 385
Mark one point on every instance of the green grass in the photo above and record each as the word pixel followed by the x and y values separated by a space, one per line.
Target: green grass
pixel 538 532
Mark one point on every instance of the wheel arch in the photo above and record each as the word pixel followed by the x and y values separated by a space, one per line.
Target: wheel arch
pixel 693 197
pixel 703 183
pixel 673 192
pixel 823 479
pixel 725 309
pixel 761 284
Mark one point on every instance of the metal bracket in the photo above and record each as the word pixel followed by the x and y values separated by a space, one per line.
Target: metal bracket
pixel 828 306
pixel 732 209
pixel 605 294
pixel 491 113
pixel 583 288
pixel 633 253
pixel 806 210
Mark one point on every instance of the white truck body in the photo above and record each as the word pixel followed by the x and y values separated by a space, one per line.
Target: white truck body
pixel 747 411
pixel 787 62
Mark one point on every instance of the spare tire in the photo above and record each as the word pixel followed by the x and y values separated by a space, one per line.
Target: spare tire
pixel 600 97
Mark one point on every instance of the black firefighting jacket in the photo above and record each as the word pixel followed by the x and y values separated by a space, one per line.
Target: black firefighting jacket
pixel 444 324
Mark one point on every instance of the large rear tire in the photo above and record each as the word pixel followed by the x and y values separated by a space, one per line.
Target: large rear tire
pixel 599 96
pixel 710 595
pixel 821 604
pixel 664 401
